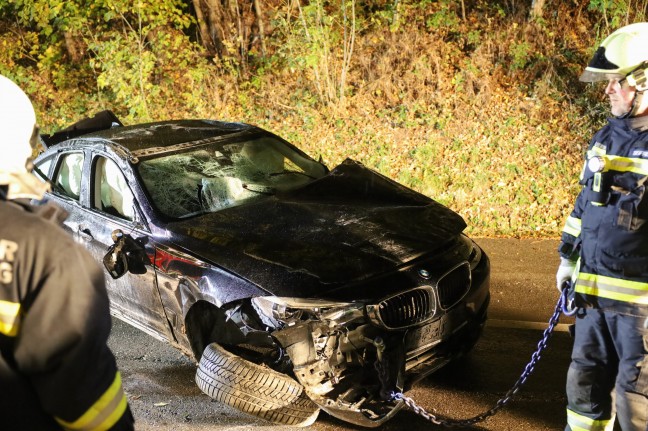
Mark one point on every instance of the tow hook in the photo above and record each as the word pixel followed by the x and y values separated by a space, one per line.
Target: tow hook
pixel 380 347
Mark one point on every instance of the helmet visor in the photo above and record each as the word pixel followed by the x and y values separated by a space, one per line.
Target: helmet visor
pixel 592 75
pixel 600 68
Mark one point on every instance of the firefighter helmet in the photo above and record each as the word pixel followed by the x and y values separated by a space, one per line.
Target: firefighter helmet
pixel 19 130
pixel 622 54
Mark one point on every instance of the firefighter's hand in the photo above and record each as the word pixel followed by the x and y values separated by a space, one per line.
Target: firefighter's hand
pixel 564 273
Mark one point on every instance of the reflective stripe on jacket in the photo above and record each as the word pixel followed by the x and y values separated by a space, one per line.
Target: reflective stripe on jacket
pixel 9 313
pixel 612 288
pixel 104 413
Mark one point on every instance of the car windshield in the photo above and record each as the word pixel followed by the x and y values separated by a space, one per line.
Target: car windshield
pixel 199 179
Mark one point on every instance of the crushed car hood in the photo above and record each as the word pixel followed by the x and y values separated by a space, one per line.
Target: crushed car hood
pixel 350 225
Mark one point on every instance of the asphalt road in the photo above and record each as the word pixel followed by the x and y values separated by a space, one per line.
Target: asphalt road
pixel 160 386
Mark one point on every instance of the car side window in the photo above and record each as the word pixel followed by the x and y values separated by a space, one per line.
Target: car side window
pixel 111 192
pixel 42 168
pixel 69 175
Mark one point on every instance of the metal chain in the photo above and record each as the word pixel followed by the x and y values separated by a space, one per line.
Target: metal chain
pixel 535 357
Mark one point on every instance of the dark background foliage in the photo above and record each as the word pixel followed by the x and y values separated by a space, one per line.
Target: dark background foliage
pixel 474 103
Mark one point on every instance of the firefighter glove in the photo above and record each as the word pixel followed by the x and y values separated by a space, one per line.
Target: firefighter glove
pixel 564 273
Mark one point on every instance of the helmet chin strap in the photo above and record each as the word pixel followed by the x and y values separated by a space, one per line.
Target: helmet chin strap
pixel 638 79
pixel 636 103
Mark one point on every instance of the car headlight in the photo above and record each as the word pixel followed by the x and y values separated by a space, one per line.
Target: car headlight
pixel 277 312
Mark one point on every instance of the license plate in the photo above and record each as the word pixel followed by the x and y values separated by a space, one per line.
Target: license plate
pixel 424 337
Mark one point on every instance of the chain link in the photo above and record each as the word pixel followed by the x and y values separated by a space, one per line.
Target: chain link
pixel 535 357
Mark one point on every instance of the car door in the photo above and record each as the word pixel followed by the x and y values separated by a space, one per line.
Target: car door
pixel 66 191
pixel 112 206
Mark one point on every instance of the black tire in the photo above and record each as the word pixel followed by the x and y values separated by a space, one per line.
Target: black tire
pixel 254 389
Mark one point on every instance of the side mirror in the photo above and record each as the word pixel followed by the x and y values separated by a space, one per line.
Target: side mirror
pixel 115 260
pixel 125 255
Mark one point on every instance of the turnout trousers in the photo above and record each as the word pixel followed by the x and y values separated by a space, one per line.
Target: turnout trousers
pixel 608 373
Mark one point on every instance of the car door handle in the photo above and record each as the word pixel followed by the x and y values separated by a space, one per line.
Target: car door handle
pixel 85 233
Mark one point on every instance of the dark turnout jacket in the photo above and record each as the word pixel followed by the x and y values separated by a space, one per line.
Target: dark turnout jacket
pixel 56 370
pixel 608 229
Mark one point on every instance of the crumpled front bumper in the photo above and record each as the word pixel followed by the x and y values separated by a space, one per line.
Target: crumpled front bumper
pixel 352 374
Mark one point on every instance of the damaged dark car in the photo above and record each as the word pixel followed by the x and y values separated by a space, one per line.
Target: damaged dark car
pixel 296 288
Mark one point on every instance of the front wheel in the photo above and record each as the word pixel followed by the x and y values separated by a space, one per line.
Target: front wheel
pixel 253 389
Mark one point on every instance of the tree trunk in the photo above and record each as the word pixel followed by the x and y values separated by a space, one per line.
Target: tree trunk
pixel 203 27
pixel 219 21
pixel 73 47
pixel 260 25
pixel 227 24
pixel 242 37
pixel 536 8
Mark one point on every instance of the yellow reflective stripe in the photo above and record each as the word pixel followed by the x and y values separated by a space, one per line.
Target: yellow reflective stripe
pixel 9 313
pixel 104 413
pixel 612 288
pixel 572 226
pixel 597 149
pixel 579 422
pixel 626 164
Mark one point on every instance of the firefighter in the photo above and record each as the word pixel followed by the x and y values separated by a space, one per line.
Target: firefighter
pixel 604 248
pixel 56 370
